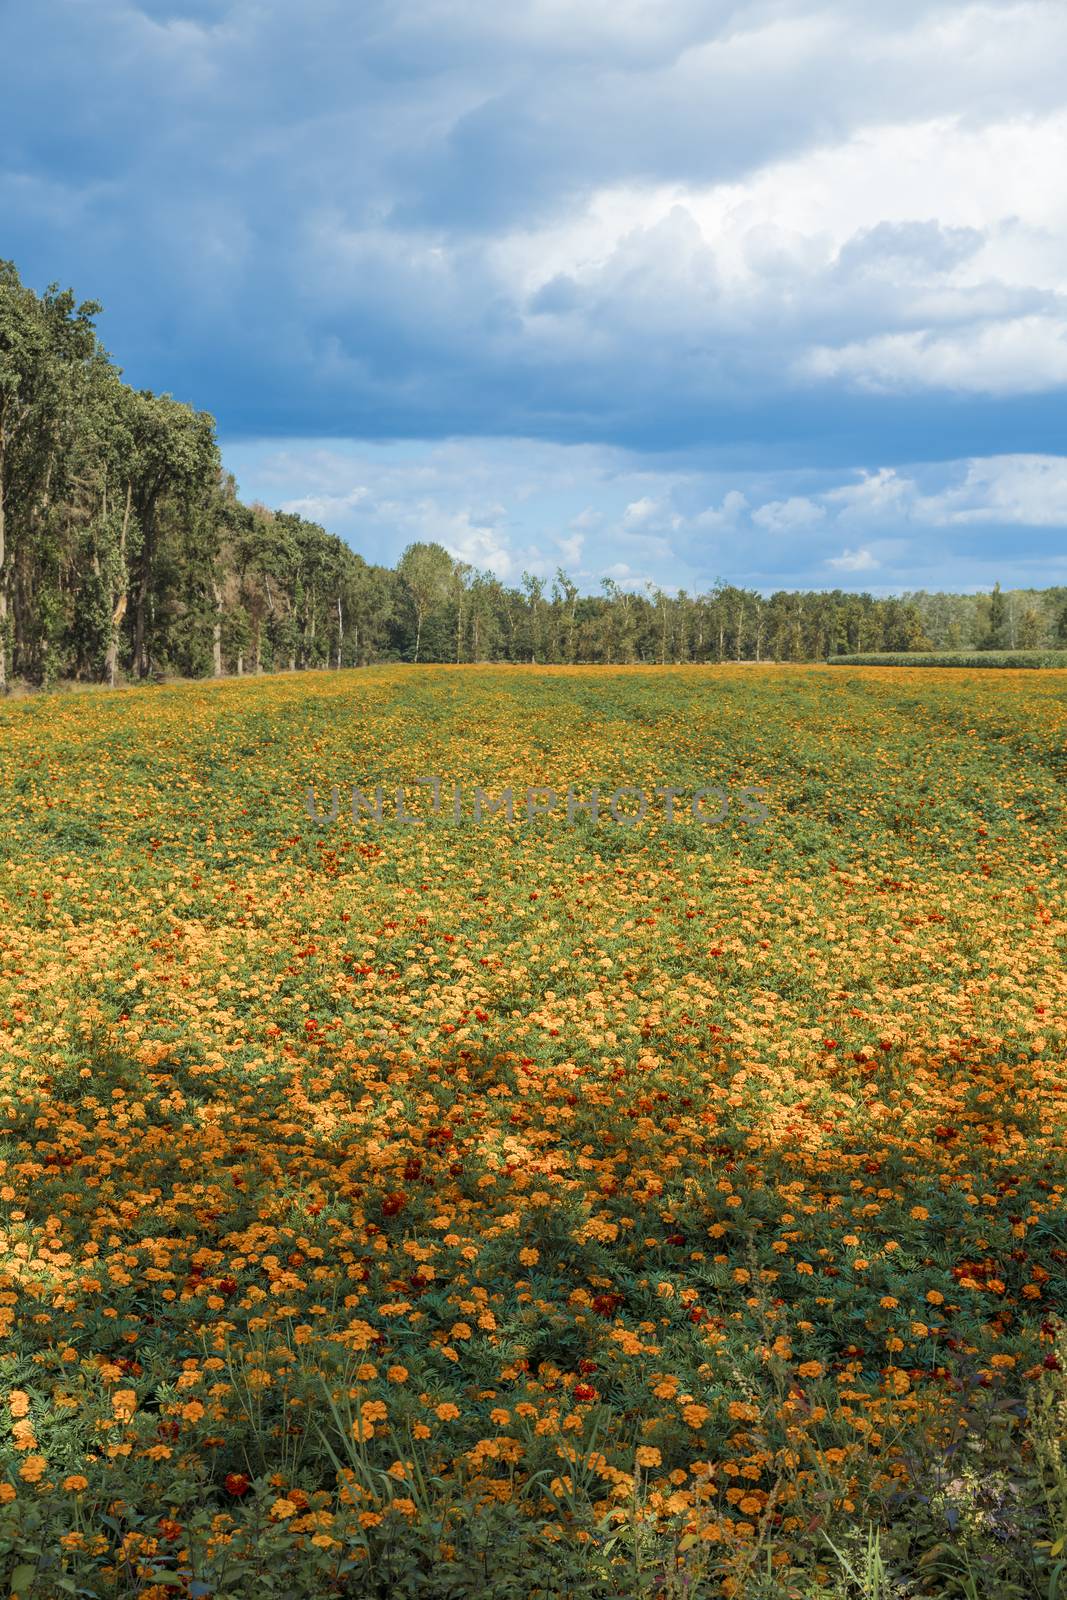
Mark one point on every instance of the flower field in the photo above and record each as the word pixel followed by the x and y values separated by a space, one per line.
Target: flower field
pixel 535 1208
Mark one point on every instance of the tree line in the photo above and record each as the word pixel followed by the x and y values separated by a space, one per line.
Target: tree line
pixel 125 553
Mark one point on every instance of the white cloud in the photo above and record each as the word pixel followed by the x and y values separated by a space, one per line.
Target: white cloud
pixel 853 561
pixel 1024 491
pixel 909 527
pixel 570 549
pixel 779 516
pixel 1026 355
pixel 639 513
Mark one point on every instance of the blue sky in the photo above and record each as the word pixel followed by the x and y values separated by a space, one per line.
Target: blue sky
pixel 660 289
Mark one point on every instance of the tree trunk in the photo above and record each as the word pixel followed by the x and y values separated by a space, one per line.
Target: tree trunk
pixel 140 646
pixel 3 564
pixel 138 629
pixel 216 632
pixel 418 633
pixel 340 631
pixel 118 610
pixel 259 646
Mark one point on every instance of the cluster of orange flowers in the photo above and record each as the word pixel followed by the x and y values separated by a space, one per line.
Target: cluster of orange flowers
pixel 699 1166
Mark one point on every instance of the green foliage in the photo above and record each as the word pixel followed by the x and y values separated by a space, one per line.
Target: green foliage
pixel 743 1121
pixel 958 658
pixel 124 550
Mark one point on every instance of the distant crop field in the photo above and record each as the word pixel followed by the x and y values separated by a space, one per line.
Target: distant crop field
pixel 646 1205
pixel 1011 659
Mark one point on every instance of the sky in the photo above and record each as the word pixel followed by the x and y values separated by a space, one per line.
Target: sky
pixel 660 290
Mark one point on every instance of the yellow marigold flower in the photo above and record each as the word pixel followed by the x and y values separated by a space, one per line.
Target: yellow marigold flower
pixel 919 1213
pixel 889 1302
pixel 7 1493
pixel 397 1374
pixel 75 1483
pixel 647 1455
pixel 192 1411
pixel 500 1416
pixel 124 1403
pixel 935 1297
pixel 283 1508
pixel 19 1401
pixel 810 1369
pixel 446 1411
pixel 33 1469
pixel 529 1256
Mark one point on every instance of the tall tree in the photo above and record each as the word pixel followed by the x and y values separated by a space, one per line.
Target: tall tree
pixel 426 571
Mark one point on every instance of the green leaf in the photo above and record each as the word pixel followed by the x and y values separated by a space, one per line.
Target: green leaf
pixel 22 1578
